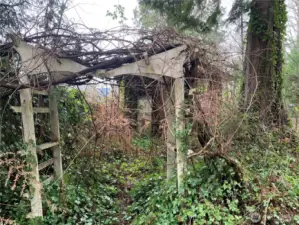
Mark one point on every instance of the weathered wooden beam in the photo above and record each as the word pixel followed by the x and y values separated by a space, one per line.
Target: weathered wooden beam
pixel 55 133
pixel 169 63
pixel 29 139
pixel 169 110
pixel 180 126
pixel 49 179
pixel 37 92
pixel 36 60
pixel 45 164
pixel 41 147
pixel 41 110
pixel 18 109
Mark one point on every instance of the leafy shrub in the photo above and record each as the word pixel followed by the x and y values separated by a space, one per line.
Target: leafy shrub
pixel 143 143
pixel 77 204
pixel 214 192
pixel 270 165
pixel 82 199
pixel 95 193
pixel 211 196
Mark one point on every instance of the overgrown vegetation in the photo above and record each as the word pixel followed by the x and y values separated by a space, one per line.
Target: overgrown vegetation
pixel 241 162
pixel 117 187
pixel 214 193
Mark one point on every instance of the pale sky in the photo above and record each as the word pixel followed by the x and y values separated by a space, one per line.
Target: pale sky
pixel 93 12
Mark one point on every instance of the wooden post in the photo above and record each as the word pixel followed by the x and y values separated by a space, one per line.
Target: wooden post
pixel 30 140
pixel 144 115
pixel 168 104
pixel 180 126
pixel 122 95
pixel 54 122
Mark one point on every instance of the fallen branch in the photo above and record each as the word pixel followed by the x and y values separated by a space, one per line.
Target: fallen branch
pixel 220 154
pixel 265 211
pixel 202 152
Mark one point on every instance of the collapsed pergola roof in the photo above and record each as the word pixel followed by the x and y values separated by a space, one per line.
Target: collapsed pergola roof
pixel 73 58
pixel 48 59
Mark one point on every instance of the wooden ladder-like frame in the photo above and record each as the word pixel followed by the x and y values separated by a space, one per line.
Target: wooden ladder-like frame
pixel 28 111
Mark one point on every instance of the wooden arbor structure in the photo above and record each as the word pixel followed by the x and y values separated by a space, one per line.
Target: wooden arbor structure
pixel 168 69
pixel 40 70
pixel 32 65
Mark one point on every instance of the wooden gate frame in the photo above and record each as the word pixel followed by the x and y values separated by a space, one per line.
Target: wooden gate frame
pixel 166 64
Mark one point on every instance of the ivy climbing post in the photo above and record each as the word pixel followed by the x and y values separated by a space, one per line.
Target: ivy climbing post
pixel 180 127
pixel 55 133
pixel 30 141
pixel 168 104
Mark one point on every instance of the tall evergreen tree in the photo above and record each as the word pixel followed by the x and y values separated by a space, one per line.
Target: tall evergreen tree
pixel 264 57
pixel 11 16
pixel 197 15
pixel 30 16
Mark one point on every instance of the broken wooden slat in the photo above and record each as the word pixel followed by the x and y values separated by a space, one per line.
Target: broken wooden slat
pixel 41 110
pixel 37 92
pixel 17 109
pixel 45 164
pixel 50 178
pixel 46 146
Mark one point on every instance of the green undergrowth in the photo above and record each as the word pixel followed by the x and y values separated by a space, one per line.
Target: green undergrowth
pixel 270 163
pixel 211 196
pixel 126 189
pixel 96 191
pixel 214 194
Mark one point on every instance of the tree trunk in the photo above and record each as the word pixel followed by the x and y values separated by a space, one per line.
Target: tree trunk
pixel 264 60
